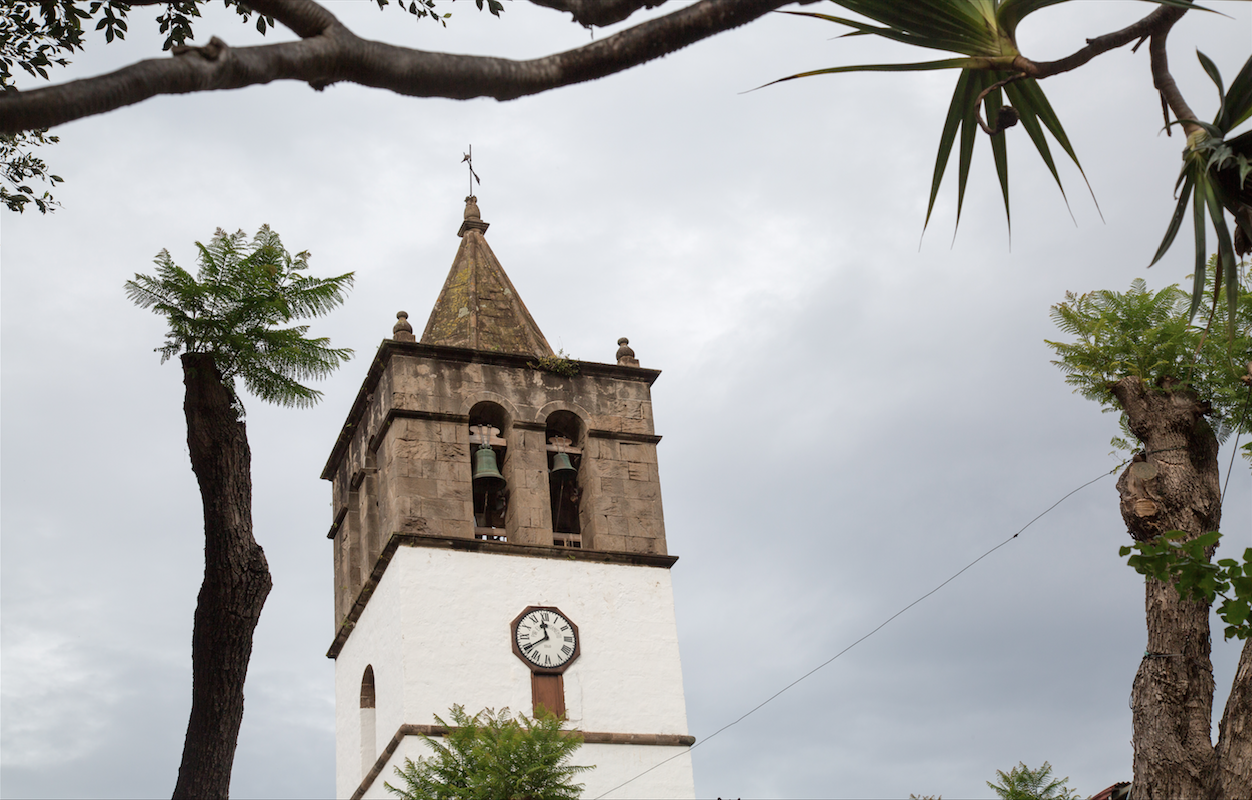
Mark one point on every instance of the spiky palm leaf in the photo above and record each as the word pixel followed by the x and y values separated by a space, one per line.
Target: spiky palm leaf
pixel 984 33
pixel 1215 177
pixel 236 307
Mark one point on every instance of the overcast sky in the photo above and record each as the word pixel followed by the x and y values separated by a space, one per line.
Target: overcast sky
pixel 848 419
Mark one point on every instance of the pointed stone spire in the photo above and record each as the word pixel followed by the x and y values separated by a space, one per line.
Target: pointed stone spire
pixel 478 307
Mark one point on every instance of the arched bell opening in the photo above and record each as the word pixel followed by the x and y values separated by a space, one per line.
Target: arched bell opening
pixel 368 746
pixel 488 451
pixel 564 437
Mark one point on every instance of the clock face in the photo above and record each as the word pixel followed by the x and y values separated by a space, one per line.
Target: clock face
pixel 545 638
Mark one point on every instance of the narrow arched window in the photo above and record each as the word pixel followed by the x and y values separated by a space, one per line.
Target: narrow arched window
pixel 487 458
pixel 564 438
pixel 369 751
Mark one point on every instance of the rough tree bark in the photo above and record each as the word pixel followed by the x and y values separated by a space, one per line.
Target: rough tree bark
pixel 328 52
pixel 1173 484
pixel 1234 743
pixel 236 581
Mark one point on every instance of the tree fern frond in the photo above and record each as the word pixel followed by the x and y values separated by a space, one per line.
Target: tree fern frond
pixel 1150 335
pixel 239 306
pixel 492 755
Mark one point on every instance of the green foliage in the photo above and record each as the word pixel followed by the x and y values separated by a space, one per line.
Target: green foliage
pixel 1170 557
pixel 35 35
pixel 1150 335
pixel 984 34
pixel 559 364
pixel 35 43
pixel 234 307
pixel 494 6
pixel 1024 783
pixel 492 756
pixel 20 165
pixel 58 26
pixel 1213 174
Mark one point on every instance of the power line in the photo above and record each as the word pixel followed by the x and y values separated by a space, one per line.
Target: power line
pixel 884 624
pixel 1234 450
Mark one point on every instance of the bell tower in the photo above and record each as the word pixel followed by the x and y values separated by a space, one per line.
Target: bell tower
pixel 499 542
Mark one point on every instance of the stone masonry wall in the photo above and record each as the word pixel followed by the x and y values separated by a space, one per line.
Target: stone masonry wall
pixel 407 467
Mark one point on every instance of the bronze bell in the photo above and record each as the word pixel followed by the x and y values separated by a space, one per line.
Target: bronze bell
pixel 485 470
pixel 562 468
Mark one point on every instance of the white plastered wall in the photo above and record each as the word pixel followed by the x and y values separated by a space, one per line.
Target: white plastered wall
pixel 436 631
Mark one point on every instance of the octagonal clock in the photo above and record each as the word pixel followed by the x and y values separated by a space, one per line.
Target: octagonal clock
pixel 545 639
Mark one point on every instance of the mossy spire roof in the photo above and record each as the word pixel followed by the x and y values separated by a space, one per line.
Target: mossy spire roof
pixel 478 307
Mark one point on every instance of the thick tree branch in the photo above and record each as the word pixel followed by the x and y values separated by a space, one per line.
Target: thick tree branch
pixel 1164 82
pixel 1157 22
pixel 330 53
pixel 303 17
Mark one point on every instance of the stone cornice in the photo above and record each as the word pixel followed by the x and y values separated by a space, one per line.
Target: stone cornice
pixel 481 546
pixel 334 526
pixel 589 737
pixel 625 436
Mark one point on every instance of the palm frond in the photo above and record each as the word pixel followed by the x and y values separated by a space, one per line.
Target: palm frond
pixel 239 307
pixel 1032 106
pixel 920 66
pixel 969 133
pixel 1237 104
pixel 1175 222
pixel 1012 12
pixel 999 152
pixel 984 32
pixel 961 26
pixel 951 126
pixel 940 35
pixel 1197 288
pixel 1207 154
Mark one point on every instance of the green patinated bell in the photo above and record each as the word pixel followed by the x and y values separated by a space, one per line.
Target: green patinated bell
pixel 485 470
pixel 562 468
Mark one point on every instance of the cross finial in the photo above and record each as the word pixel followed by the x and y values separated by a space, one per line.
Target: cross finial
pixel 468 158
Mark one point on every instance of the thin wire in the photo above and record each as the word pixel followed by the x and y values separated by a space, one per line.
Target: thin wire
pixel 771 698
pixel 1231 468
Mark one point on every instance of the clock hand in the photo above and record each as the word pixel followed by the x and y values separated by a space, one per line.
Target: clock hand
pixel 532 644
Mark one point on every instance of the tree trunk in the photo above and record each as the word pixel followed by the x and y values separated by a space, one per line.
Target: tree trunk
pixel 236 582
pixel 1234 744
pixel 1171 485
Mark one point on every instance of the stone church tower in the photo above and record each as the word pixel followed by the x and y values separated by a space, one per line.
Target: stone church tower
pixel 498 541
